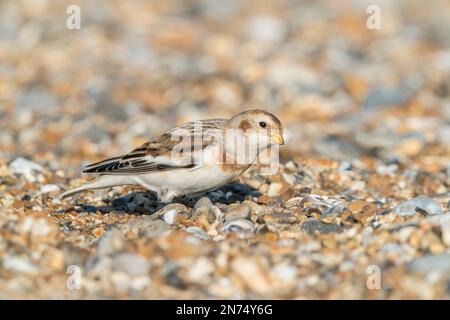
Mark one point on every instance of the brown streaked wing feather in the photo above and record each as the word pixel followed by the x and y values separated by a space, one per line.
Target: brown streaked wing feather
pixel 142 159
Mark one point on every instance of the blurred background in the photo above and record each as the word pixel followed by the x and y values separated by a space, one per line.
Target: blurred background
pixel 375 102
pixel 137 68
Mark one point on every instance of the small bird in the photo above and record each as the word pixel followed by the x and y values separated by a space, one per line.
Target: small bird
pixel 193 158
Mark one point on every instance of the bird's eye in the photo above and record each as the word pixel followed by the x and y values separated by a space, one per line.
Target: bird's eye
pixel 262 124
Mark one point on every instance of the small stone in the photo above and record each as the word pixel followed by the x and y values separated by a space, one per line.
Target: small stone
pixel 252 274
pixel 120 281
pixel 238 225
pixel 203 202
pixel 254 207
pixel 139 283
pixel 284 273
pixel 49 188
pixel 178 207
pixel 311 226
pixel 239 212
pixel 445 229
pixel 98 232
pixel 385 97
pixel 264 199
pixel 275 217
pixel 335 147
pixel 112 241
pixel 40 229
pixel 200 270
pixel 439 219
pixel 169 216
pixel 18 264
pixel 431 263
pixel 409 145
pixel 29 169
pixel 267 28
pixel 155 229
pixel 362 211
pixel 131 263
pixel 198 232
pixel 149 226
pixel 274 189
pixel 420 204
pixel 53 259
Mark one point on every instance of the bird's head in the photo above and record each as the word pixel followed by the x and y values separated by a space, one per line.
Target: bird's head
pixel 259 124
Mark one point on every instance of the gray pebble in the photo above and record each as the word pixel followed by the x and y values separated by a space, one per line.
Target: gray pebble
pixel 112 241
pixel 238 225
pixel 312 225
pixel 131 263
pixel 203 202
pixel 19 264
pixel 439 219
pixel 429 263
pixel 156 229
pixel 198 232
pixel 385 97
pixel 413 206
pixel 149 226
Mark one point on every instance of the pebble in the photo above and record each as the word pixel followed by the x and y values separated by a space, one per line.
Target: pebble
pixel 29 169
pixel 49 188
pixel 439 219
pixel 148 226
pixel 445 230
pixel 18 264
pixel 311 226
pixel 130 263
pixel 176 207
pixel 429 263
pixel 238 225
pixel 252 274
pixel 264 199
pixel 274 217
pixel 203 202
pixel 409 145
pixel 334 147
pixel 267 29
pixel 386 97
pixel 274 189
pixel 198 232
pixel 112 241
pixel 200 270
pixel 155 229
pixel 410 207
pixel 284 273
pixel 237 212
pixel 169 216
pixel 53 259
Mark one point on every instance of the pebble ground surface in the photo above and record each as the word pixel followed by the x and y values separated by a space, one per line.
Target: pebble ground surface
pixel 359 208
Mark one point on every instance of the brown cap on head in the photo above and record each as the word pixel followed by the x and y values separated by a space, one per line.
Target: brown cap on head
pixel 256 112
pixel 258 119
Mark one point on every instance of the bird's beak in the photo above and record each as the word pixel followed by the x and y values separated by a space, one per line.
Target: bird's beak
pixel 278 139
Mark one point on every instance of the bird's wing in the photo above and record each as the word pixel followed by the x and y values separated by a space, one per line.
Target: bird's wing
pixel 175 149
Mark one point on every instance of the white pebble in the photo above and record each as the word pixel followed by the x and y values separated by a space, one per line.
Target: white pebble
pixel 274 189
pixel 47 188
pixel 29 169
pixel 169 216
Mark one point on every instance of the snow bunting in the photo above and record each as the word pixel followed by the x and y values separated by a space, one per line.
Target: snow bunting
pixel 193 158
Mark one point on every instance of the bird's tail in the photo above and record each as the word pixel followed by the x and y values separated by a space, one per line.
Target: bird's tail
pixel 100 183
